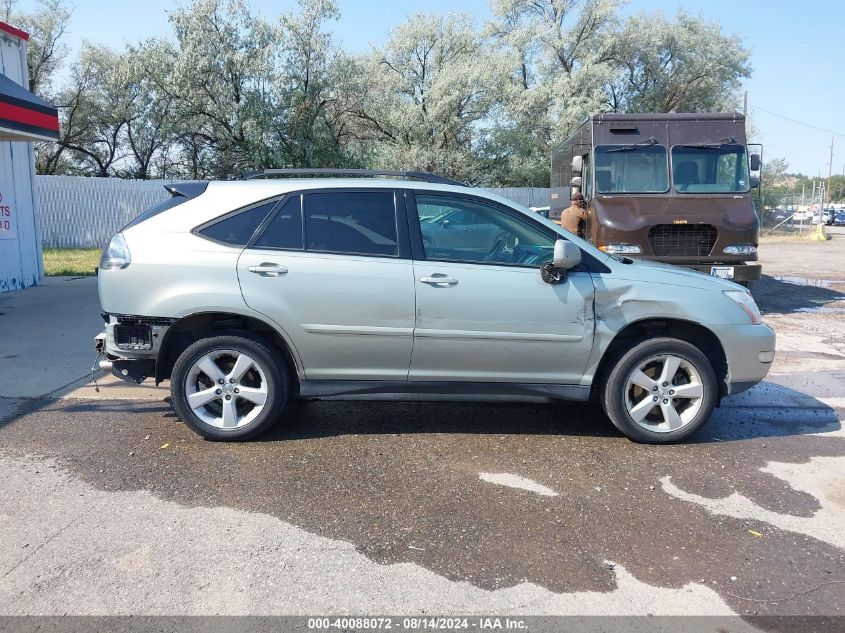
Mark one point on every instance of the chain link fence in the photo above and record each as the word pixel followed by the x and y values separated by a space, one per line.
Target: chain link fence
pixel 84 212
pixel 790 214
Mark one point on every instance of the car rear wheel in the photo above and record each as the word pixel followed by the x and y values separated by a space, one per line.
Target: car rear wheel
pixel 229 387
pixel 660 391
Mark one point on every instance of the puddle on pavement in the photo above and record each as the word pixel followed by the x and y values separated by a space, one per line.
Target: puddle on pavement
pixel 806 281
pixel 822 310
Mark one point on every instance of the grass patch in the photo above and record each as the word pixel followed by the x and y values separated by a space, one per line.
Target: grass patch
pixel 71 261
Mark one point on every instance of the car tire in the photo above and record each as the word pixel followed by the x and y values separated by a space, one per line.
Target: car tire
pixel 672 376
pixel 249 400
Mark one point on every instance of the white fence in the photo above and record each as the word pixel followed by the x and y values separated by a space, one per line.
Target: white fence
pixel 80 212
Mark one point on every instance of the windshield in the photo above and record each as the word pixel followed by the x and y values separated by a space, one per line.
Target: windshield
pixel 637 168
pixel 710 169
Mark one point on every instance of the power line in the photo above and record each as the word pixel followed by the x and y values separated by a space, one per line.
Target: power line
pixel 815 127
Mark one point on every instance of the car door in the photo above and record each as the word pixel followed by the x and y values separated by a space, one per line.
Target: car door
pixel 332 268
pixel 485 315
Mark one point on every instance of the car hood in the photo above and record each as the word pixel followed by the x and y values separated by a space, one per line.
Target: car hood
pixel 658 272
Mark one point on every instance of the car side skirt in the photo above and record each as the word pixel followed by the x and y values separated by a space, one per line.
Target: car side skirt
pixel 318 388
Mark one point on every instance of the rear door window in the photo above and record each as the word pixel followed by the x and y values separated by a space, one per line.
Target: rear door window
pixel 238 229
pixel 356 223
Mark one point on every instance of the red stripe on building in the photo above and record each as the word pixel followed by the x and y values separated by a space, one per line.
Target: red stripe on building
pixel 28 117
pixel 11 30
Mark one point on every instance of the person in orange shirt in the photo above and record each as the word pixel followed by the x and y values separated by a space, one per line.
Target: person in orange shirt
pixel 574 217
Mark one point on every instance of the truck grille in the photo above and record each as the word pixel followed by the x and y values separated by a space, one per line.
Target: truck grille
pixel 682 240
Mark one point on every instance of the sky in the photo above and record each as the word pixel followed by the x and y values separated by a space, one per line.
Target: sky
pixel 797 54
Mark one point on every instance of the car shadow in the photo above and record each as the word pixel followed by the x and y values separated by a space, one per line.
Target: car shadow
pixel 780 412
pixel 777 295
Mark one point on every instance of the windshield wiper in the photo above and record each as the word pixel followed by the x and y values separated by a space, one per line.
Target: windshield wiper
pixel 712 145
pixel 634 146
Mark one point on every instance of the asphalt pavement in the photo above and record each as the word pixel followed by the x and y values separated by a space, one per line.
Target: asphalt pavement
pixel 109 505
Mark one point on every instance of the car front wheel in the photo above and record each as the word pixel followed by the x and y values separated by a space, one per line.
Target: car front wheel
pixel 229 387
pixel 660 391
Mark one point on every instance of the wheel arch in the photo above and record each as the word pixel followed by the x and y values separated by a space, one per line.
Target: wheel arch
pixel 694 333
pixel 191 328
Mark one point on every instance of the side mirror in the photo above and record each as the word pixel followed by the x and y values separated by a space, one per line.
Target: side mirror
pixel 577 164
pixel 575 182
pixel 754 162
pixel 567 255
pixel 445 223
pixel 755 182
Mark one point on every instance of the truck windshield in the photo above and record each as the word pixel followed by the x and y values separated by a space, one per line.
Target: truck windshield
pixel 637 168
pixel 710 168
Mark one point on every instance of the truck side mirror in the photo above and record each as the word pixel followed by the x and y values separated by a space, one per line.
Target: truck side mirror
pixel 575 182
pixel 755 182
pixel 577 165
pixel 754 162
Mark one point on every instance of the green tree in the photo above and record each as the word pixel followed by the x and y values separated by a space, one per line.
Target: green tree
pixel 558 57
pixel 45 49
pixel 222 86
pixel 313 103
pixel 685 64
pixel 426 95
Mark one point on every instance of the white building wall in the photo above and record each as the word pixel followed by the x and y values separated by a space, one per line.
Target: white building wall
pixel 21 264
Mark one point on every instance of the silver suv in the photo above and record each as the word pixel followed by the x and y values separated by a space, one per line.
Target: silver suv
pixel 246 294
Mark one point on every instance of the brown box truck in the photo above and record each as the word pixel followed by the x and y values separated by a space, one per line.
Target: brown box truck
pixel 671 187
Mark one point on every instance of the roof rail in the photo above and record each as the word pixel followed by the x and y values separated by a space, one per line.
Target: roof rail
pixel 414 175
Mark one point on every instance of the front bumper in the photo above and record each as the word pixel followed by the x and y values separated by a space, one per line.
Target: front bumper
pixel 741 272
pixel 750 351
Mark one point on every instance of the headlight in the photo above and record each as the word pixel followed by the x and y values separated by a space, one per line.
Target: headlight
pixel 621 249
pixel 116 254
pixel 745 301
pixel 740 249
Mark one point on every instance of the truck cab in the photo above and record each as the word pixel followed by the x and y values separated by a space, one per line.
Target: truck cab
pixel 671 187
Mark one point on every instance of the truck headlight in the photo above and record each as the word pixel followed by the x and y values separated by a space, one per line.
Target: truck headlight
pixel 116 254
pixel 740 249
pixel 621 249
pixel 745 301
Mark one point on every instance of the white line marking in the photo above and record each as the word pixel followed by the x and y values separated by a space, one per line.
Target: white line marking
pixel 515 481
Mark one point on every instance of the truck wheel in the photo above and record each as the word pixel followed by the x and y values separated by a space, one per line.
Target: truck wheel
pixel 660 391
pixel 229 387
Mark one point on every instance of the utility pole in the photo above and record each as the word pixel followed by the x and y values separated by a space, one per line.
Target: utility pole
pixel 745 104
pixel 829 170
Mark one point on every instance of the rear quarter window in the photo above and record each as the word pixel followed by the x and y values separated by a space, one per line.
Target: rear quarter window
pixel 237 229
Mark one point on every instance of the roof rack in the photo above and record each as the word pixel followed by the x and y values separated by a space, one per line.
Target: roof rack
pixel 414 175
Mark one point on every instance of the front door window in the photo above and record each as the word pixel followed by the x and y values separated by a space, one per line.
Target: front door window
pixel 456 229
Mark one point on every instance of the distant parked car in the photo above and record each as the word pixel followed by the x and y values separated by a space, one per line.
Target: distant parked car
pixel 828 215
pixel 839 220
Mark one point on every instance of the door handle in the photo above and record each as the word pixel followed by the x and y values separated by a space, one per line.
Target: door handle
pixel 268 269
pixel 438 279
